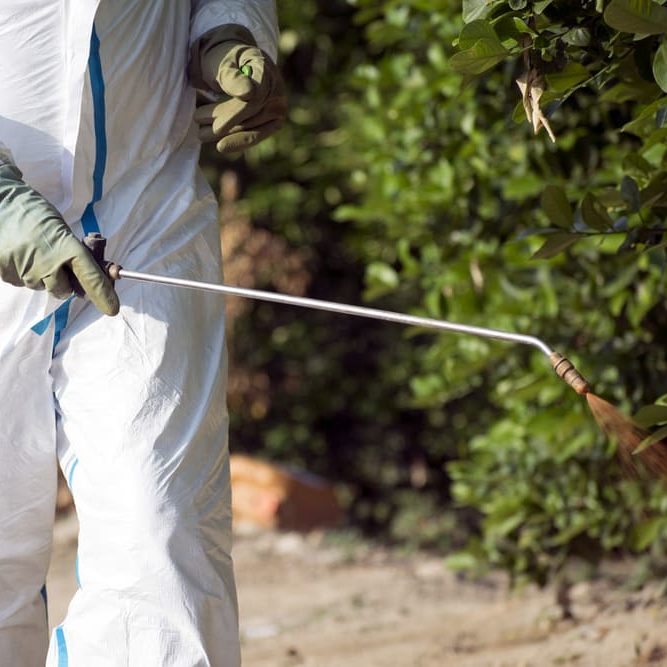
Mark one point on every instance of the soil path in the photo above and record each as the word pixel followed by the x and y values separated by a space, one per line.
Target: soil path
pixel 323 602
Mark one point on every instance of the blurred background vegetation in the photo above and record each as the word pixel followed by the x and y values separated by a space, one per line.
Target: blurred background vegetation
pixel 408 177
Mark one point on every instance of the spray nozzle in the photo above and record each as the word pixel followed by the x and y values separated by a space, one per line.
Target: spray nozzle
pixel 565 369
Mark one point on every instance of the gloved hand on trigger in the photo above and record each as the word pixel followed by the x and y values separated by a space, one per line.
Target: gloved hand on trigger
pixel 38 250
pixel 252 103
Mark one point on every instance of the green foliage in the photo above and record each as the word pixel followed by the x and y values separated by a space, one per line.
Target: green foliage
pixel 532 462
pixel 610 50
pixel 403 171
pixel 545 500
pixel 641 17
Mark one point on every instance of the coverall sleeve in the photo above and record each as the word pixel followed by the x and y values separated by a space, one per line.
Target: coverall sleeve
pixel 258 16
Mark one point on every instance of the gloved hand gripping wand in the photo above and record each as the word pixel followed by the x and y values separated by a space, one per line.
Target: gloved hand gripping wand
pixel 563 367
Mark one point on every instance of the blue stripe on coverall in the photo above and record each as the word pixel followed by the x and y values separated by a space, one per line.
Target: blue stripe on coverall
pixel 88 219
pixel 61 315
pixel 63 658
pixel 71 472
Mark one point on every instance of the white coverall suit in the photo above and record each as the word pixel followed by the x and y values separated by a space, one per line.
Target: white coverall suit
pixel 96 110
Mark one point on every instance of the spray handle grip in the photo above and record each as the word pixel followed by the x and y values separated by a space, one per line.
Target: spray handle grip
pixel 96 245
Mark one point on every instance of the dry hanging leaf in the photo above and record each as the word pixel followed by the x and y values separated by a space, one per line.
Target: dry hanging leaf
pixel 531 85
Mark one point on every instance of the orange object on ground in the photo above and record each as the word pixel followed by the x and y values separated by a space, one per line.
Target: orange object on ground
pixel 267 495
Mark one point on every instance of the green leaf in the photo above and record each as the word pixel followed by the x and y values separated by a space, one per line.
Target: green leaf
pixel 660 66
pixel 655 191
pixel 610 198
pixel 499 525
pixel 651 440
pixel 556 206
pixel 577 37
pixel 646 118
pixel 381 274
pixel 650 415
pixel 595 214
pixel 638 16
pixel 630 91
pixel 539 7
pixel 484 54
pixel 507 31
pixel 630 193
pixel 656 137
pixel 647 532
pixel 523 27
pixel 409 264
pixel 474 31
pixel 477 9
pixel 520 187
pixel 555 244
pixel 568 78
pixel 637 165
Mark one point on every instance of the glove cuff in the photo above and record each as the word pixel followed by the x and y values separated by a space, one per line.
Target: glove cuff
pixel 230 32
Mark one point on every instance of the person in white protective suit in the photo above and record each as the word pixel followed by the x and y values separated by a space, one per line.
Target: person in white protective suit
pixel 98 132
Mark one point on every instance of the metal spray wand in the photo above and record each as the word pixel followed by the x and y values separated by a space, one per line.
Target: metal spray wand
pixel 563 367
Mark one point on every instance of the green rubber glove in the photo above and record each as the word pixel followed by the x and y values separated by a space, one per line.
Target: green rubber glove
pixel 251 103
pixel 38 250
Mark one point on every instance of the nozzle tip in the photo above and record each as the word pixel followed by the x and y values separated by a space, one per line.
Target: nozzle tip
pixel 566 371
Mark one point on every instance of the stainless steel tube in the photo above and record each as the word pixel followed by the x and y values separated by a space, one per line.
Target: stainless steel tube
pixel 344 309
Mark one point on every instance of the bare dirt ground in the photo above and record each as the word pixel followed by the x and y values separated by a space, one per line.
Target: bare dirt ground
pixel 319 601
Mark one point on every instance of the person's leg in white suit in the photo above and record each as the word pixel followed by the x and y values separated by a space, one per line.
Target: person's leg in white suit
pixel 142 438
